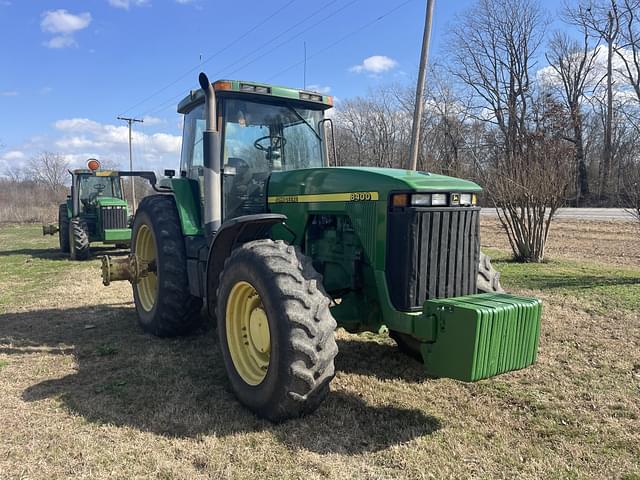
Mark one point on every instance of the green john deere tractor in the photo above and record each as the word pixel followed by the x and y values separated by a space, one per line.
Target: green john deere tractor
pixel 282 248
pixel 95 211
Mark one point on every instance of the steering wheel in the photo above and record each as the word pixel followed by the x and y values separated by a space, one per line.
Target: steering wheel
pixel 276 142
pixel 99 187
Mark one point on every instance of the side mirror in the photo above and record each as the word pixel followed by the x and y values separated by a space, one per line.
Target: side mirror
pixel 170 173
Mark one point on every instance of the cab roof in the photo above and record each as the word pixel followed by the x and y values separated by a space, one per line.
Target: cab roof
pixel 97 173
pixel 310 99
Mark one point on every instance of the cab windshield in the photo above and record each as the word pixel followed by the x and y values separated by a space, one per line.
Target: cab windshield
pixel 260 138
pixel 92 187
pixel 274 137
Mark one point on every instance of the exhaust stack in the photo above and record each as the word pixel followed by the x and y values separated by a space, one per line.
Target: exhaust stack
pixel 211 156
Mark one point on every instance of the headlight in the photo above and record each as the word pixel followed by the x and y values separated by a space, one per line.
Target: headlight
pixel 421 199
pixel 465 199
pixel 439 199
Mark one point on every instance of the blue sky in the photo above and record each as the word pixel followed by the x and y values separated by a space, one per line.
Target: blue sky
pixel 70 67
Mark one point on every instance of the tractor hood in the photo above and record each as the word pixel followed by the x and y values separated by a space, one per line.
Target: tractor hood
pixel 110 202
pixel 363 179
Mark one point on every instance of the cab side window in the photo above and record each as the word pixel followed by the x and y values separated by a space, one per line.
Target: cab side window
pixel 191 160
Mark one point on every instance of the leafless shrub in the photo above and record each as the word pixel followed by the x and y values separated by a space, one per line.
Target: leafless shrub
pixel 529 188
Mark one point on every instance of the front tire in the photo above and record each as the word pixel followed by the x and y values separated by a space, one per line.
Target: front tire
pixel 163 301
pixel 275 330
pixel 78 239
pixel 63 228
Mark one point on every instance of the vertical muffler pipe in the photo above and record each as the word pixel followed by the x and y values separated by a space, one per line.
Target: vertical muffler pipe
pixel 211 160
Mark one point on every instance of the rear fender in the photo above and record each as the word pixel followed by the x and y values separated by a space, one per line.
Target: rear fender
pixel 231 234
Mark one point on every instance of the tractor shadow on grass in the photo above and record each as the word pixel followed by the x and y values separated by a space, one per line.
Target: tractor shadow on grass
pixel 56 254
pixel 178 387
pixel 384 360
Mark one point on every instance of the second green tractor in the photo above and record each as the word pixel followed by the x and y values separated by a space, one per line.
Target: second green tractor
pixel 280 247
pixel 95 210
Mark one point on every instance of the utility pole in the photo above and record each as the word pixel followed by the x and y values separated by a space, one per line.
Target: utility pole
pixel 133 183
pixel 417 112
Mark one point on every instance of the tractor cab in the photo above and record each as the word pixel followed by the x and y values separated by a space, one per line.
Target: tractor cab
pixel 263 129
pixel 93 190
pixel 95 210
pixel 96 197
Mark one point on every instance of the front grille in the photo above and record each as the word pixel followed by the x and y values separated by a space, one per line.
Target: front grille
pixel 113 217
pixel 431 253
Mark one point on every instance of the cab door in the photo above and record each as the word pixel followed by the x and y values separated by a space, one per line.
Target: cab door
pixel 192 155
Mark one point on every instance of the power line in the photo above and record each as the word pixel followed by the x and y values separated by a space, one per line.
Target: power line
pixel 301 32
pixel 211 57
pixel 341 39
pixel 172 100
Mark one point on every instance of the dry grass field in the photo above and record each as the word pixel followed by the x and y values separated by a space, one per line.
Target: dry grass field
pixel 85 394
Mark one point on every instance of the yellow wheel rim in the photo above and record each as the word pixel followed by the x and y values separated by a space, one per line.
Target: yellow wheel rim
pixel 248 334
pixel 145 249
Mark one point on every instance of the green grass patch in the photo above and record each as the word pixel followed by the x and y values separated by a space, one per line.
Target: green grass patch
pixel 30 263
pixel 3 363
pixel 106 350
pixel 602 287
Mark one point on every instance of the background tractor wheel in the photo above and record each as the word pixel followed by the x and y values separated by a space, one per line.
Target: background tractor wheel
pixel 164 304
pixel 78 239
pixel 488 277
pixel 275 329
pixel 63 228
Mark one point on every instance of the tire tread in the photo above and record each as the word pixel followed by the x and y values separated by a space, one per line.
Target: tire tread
pixel 311 337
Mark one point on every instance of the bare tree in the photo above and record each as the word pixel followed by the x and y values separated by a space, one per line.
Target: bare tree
pixel 600 19
pixel 495 46
pixel 573 63
pixel 373 130
pixel 15 174
pixel 530 196
pixel 50 169
pixel 351 132
pixel 628 46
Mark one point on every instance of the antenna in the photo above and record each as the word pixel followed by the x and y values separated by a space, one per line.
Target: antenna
pixel 304 81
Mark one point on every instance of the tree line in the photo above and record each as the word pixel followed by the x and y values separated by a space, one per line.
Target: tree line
pixel 540 118
pixel 32 193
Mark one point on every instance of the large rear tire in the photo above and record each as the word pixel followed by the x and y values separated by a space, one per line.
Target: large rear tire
pixel 275 329
pixel 78 239
pixel 488 277
pixel 63 228
pixel 163 301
